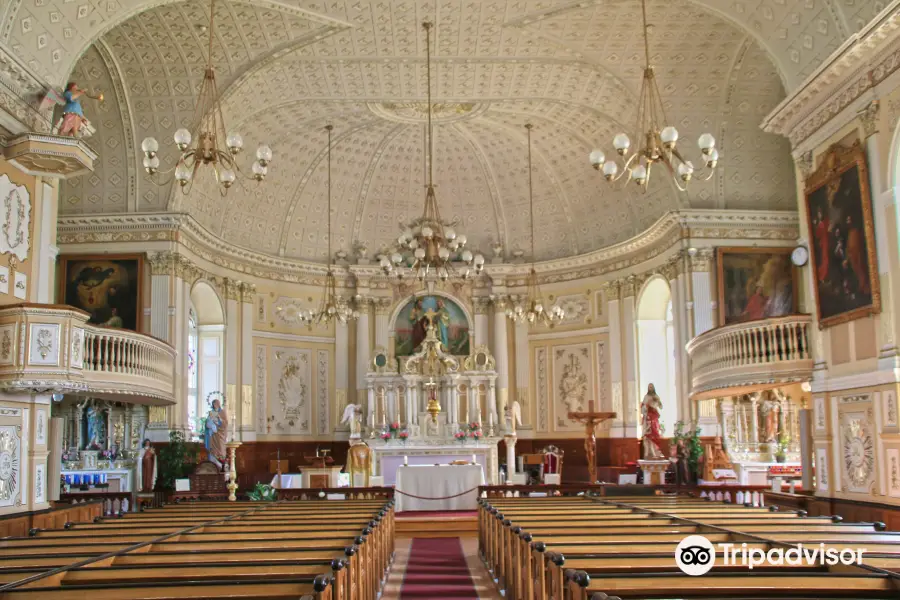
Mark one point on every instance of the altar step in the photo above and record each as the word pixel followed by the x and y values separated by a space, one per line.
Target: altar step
pixel 461 524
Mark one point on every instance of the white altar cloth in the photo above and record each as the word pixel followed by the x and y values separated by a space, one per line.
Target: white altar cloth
pixel 435 481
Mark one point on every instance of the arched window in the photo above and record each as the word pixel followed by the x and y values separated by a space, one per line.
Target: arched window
pixel 208 349
pixel 656 349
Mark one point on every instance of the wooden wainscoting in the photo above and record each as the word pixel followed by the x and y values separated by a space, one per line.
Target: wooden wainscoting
pixel 18 525
pixel 852 511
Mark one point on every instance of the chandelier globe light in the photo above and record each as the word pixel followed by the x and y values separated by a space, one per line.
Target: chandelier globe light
pixel 531 309
pixel 333 308
pixel 429 246
pixel 658 139
pixel 210 132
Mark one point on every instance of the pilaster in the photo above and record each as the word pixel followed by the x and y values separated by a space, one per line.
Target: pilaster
pixel 363 347
pixel 501 356
pixel 629 360
pixel 612 292
pixel 481 306
pixel 247 293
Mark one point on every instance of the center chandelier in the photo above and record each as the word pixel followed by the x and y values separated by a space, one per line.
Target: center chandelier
pixel 210 131
pixel 657 145
pixel 531 308
pixel 429 246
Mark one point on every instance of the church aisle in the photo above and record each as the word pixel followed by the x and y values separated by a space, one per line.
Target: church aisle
pixel 438 568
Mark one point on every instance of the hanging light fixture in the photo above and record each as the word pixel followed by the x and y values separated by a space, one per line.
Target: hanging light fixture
pixel 429 246
pixel 211 131
pixel 531 309
pixel 659 139
pixel 333 307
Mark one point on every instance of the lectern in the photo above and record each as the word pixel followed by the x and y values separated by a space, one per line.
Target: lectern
pixel 590 420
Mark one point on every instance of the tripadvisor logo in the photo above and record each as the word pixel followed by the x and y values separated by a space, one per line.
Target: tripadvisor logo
pixel 696 555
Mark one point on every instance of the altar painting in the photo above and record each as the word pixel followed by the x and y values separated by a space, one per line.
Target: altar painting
pixel 107 287
pixel 755 283
pixel 451 324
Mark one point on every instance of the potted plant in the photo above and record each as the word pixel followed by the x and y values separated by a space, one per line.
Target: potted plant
pixel 692 442
pixel 781 448
pixel 263 492
pixel 177 460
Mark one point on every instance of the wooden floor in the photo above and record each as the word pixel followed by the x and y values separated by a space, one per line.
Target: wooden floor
pixel 445 524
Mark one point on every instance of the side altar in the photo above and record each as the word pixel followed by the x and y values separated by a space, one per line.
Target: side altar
pixel 430 407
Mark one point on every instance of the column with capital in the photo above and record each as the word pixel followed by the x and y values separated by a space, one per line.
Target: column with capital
pixel 612 291
pixel 500 396
pixel 185 275
pixel 341 370
pixel 363 347
pixel 382 332
pixel 231 289
pixel 162 270
pixel 700 261
pixel 674 273
pixel 370 406
pixel 248 297
pixel 480 334
pixel 630 419
pixel 754 421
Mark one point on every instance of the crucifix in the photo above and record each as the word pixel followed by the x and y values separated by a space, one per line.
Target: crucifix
pixel 590 420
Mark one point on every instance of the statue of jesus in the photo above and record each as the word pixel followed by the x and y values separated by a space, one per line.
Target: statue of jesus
pixel 650 409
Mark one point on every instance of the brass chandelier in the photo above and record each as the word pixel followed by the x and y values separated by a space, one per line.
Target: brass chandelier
pixel 531 309
pixel 659 140
pixel 333 307
pixel 428 246
pixel 211 131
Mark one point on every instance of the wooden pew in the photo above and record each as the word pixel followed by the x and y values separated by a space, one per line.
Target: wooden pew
pixel 569 547
pixel 340 550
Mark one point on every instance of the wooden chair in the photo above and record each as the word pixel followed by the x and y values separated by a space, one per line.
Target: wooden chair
pixel 553 462
pixel 359 459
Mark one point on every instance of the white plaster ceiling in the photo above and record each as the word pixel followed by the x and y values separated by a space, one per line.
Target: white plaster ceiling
pixel 572 68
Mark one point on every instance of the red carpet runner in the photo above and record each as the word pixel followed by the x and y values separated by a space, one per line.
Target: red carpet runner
pixel 437 569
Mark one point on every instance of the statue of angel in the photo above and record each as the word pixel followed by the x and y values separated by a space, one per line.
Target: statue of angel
pixel 353 416
pixel 513 416
pixel 73 123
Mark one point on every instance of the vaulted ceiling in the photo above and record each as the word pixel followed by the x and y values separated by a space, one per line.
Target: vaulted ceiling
pixel 573 69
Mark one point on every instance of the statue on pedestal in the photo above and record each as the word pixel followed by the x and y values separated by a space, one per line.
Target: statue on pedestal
pixel 513 416
pixel 215 432
pixel 353 416
pixel 146 468
pixel 650 409
pixel 770 410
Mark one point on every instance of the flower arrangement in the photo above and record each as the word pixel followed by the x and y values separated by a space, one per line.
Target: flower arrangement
pixel 386 435
pixel 475 434
pixel 395 431
pixel 394 427
pixel 460 436
pixel 473 430
pixel 66 457
pixel 403 435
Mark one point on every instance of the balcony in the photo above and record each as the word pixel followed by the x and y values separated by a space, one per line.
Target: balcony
pixel 744 357
pixel 52 348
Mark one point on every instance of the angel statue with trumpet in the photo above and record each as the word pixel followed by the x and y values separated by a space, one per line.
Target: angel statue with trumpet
pixel 73 123
pixel 353 416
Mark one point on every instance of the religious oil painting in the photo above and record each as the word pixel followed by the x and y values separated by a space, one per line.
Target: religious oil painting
pixel 450 322
pixel 755 283
pixel 106 286
pixel 841 236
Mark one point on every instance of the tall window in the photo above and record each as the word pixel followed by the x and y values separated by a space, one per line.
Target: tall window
pixel 194 409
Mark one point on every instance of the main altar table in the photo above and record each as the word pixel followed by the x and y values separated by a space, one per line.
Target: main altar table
pixel 438 481
pixel 389 457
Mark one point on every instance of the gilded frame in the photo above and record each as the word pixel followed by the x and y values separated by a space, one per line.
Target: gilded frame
pixel 720 275
pixel 834 163
pixel 62 274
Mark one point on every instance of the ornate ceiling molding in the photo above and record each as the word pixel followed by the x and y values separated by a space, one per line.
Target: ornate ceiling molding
pixel 666 233
pixel 859 65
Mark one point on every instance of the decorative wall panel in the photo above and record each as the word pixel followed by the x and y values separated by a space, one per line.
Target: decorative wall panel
pixel 44 348
pixel 323 410
pixel 40 483
pixel 15 211
pixel 76 356
pixel 290 391
pixel 261 407
pixel 541 378
pixel 857 439
pixel 7 344
pixel 10 465
pixel 577 308
pixel 40 431
pixel 891 411
pixel 573 383
pixel 893 472
pixel 822 480
pixel 819 416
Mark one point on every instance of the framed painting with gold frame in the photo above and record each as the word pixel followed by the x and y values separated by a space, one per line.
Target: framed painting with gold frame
pixel 108 286
pixel 842 237
pixel 755 283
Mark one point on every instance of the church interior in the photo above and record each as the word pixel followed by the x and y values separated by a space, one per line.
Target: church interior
pixel 395 299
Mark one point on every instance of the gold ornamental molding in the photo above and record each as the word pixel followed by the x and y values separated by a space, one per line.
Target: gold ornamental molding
pixel 848 76
pixel 667 232
pixel 50 155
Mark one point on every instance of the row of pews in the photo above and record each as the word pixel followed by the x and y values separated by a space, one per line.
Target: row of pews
pixel 593 548
pixel 315 550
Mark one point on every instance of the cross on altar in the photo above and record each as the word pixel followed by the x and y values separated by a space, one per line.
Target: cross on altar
pixel 430 315
pixel 590 420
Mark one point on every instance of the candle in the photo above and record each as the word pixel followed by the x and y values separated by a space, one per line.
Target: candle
pixel 405 460
pixel 474 460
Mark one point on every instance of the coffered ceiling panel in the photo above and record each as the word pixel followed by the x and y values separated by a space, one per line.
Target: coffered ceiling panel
pixel 285 68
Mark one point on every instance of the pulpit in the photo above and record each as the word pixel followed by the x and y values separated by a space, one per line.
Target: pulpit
pixel 321 472
pixel 590 420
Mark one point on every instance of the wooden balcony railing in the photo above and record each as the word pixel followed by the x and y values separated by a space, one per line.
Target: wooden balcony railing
pixel 47 347
pixel 742 357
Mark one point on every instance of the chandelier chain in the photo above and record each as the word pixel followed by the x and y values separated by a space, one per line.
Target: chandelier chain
pixel 329 128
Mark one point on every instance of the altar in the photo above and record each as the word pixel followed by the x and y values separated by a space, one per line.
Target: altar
pixel 438 481
pixel 389 458
pixel 430 406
